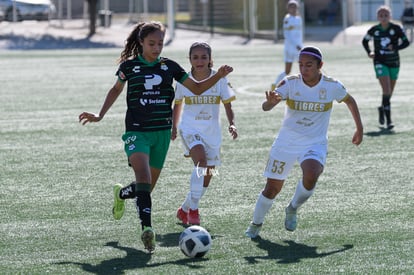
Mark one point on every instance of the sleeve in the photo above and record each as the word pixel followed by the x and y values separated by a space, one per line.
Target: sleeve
pixel 180 75
pixel 226 91
pixel 404 40
pixel 179 93
pixel 122 75
pixel 366 39
pixel 283 88
pixel 341 93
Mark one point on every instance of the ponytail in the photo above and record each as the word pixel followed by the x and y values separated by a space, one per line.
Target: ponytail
pixel 133 46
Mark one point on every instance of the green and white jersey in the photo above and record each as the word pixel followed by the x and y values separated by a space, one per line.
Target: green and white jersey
pixel 387 43
pixel 308 110
pixel 201 113
pixel 150 92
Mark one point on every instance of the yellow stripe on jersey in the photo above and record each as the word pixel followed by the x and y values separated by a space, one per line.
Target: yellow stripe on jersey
pixel 308 106
pixel 229 100
pixel 200 99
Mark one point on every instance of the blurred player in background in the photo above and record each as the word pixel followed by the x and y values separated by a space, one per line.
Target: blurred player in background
pixel 407 18
pixel 388 39
pixel 292 32
pixel 200 128
pixel 303 136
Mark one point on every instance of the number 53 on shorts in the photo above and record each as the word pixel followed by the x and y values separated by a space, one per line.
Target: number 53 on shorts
pixel 276 169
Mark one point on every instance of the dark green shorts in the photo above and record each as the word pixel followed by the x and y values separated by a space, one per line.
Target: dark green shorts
pixel 384 70
pixel 154 144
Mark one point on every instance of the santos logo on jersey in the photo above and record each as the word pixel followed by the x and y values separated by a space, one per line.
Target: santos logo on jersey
pixel 146 101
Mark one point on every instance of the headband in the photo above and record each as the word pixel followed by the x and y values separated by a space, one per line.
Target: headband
pixel 313 54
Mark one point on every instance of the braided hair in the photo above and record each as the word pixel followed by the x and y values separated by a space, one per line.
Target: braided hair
pixel 133 46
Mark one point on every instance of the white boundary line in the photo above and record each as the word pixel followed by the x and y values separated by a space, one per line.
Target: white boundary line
pixel 246 90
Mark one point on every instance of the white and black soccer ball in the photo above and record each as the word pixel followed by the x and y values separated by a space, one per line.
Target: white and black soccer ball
pixel 195 241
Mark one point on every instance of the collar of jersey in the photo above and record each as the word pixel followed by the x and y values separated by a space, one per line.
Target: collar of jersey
pixel 149 63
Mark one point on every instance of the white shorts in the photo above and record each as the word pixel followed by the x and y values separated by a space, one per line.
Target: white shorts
pixel 190 140
pixel 291 55
pixel 281 160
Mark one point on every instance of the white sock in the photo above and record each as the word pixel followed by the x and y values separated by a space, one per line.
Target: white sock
pixel 301 195
pixel 280 77
pixel 196 186
pixel 186 204
pixel 263 206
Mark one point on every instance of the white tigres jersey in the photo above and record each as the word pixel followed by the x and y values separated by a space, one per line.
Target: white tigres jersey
pixel 308 110
pixel 292 31
pixel 201 113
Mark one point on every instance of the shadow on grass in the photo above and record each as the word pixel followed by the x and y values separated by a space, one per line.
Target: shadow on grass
pixel 381 132
pixel 50 42
pixel 291 253
pixel 136 259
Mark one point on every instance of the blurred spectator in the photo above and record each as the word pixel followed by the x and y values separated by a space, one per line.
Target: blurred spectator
pixel 407 19
pixel 329 14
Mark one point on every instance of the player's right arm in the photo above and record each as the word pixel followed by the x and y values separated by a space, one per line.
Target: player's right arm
pixel 112 95
pixel 178 106
pixel 272 99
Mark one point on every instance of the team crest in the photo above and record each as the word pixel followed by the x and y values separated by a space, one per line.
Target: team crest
pixel 322 94
pixel 121 75
pixel 281 83
pixel 164 67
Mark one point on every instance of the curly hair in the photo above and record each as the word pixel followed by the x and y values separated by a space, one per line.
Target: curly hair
pixel 133 46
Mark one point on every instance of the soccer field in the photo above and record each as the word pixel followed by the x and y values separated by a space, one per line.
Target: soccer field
pixel 57 176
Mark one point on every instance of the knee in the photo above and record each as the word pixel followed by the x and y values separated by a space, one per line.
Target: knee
pixel 200 162
pixel 272 188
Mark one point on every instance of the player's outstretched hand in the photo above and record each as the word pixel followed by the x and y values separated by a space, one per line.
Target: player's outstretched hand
pixel 86 117
pixel 225 70
pixel 273 97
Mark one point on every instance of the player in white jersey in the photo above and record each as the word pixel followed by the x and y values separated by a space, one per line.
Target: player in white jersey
pixel 303 137
pixel 292 32
pixel 200 129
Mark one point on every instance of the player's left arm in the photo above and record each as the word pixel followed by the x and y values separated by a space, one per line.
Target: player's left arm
pixel 403 38
pixel 353 107
pixel 230 118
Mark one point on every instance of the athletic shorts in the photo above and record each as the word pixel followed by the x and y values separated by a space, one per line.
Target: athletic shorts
pixel 291 54
pixel 191 139
pixel 384 70
pixel 154 144
pixel 281 160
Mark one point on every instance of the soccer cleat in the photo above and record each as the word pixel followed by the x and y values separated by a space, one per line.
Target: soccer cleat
pixel 119 204
pixel 253 230
pixel 390 125
pixel 148 238
pixel 291 218
pixel 182 216
pixel 193 217
pixel 381 114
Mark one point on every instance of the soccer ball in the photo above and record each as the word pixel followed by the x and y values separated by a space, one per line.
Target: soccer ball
pixel 195 241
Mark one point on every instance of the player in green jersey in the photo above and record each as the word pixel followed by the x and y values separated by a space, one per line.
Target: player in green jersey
pixel 388 38
pixel 148 118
